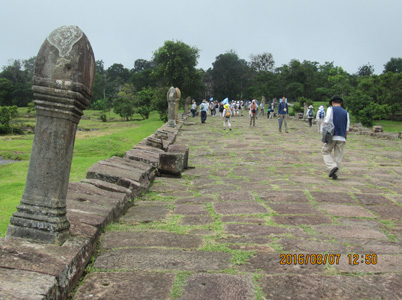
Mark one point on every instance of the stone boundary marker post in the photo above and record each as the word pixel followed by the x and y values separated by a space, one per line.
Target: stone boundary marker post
pixel 62 86
pixel 171 99
pixel 176 109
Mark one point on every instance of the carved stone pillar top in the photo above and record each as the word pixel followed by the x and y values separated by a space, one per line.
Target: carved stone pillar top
pixel 172 94
pixel 64 70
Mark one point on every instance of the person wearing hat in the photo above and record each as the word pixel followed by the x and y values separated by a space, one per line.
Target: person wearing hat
pixel 337 115
pixel 203 110
pixel 310 115
pixel 227 113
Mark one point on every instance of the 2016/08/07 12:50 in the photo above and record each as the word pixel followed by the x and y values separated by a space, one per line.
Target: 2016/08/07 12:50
pixel 288 259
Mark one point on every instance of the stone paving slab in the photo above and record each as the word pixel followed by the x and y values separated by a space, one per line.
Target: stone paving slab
pixel 218 286
pixel 341 198
pixel 230 208
pixel 146 212
pixel 126 285
pixel 317 287
pixel 347 211
pixel 113 239
pixel 293 208
pixel 276 196
pixel 25 285
pixel 391 212
pixel 360 232
pixel 270 263
pixel 302 219
pixel 154 259
pixel 187 209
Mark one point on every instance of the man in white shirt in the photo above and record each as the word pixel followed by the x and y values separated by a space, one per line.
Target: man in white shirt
pixel 340 118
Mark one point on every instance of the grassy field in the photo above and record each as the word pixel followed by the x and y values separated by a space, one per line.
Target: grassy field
pixel 95 141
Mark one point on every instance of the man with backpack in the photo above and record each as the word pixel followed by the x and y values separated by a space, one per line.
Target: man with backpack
pixel 227 113
pixel 253 112
pixel 320 118
pixel 310 115
pixel 337 115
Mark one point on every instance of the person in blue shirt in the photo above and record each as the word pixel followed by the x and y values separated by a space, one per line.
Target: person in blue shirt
pixel 203 111
pixel 283 112
pixel 340 118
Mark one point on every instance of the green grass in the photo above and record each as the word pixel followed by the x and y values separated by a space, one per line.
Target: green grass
pixel 109 139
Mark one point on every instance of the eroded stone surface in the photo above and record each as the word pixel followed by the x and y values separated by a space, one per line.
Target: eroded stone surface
pixel 229 208
pixel 154 259
pixel 347 211
pixel 126 285
pixel 316 287
pixel 113 239
pixel 218 286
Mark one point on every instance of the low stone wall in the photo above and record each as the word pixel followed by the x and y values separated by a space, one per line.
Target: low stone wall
pixel 41 271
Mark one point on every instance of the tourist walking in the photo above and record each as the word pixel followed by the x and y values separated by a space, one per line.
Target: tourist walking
pixel 227 114
pixel 193 108
pixel 339 117
pixel 262 108
pixel 310 115
pixel 203 111
pixel 253 112
pixel 320 118
pixel 283 112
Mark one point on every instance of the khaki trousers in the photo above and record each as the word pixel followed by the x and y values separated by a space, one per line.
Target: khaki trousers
pixel 336 160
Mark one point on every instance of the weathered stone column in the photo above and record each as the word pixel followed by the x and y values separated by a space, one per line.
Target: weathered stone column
pixel 187 105
pixel 176 108
pixel 171 99
pixel 62 86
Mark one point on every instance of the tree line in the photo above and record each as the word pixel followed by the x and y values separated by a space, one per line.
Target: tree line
pixel 143 88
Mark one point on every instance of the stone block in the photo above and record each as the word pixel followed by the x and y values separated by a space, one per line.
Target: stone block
pixel 180 149
pixel 151 158
pixel 377 129
pixel 133 175
pixel 153 141
pixel 171 163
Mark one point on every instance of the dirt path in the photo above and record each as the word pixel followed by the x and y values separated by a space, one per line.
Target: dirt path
pixel 256 198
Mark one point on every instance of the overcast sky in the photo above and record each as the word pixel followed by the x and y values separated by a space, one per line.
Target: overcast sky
pixel 350 33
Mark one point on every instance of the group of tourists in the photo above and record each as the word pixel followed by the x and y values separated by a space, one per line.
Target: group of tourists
pixel 332 124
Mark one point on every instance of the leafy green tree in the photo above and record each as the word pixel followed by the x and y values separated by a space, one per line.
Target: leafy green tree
pixel 124 103
pixel 365 70
pixel 6 92
pixel 7 113
pixel 175 64
pixel 394 65
pixel 229 76
pixel 141 75
pixel 262 62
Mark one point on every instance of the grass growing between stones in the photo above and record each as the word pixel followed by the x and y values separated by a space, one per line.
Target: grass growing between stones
pixel 180 281
pixel 110 139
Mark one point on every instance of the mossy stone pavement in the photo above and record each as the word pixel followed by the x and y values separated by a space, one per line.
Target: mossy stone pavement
pixel 253 193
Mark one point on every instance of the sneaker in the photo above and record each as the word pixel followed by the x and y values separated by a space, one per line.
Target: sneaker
pixel 335 177
pixel 224 128
pixel 230 129
pixel 333 171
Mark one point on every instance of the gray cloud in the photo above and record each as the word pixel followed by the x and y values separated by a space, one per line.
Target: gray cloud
pixel 349 33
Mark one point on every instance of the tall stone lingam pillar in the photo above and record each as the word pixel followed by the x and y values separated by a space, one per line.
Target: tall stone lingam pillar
pixel 176 108
pixel 62 86
pixel 171 99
